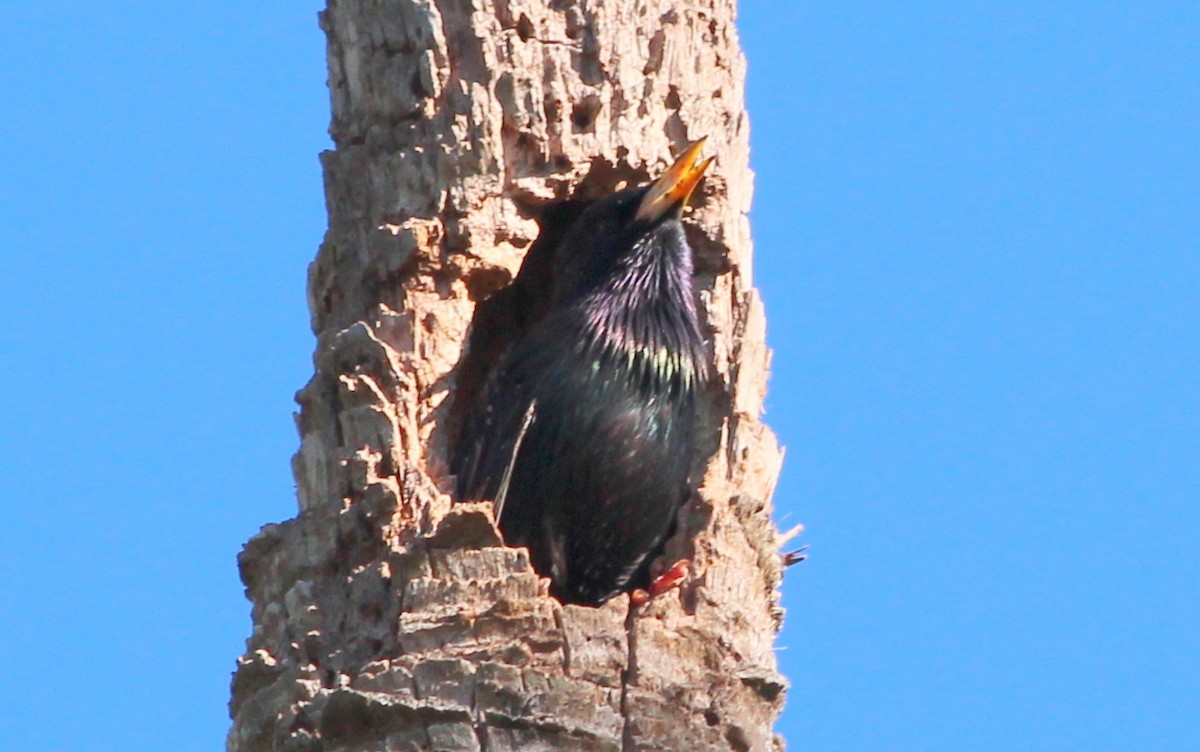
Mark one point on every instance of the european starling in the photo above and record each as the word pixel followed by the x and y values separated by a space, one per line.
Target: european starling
pixel 582 435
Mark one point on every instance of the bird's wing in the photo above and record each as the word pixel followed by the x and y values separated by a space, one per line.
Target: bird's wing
pixel 493 432
pixel 502 490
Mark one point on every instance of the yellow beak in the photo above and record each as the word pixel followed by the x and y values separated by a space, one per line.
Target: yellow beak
pixel 676 184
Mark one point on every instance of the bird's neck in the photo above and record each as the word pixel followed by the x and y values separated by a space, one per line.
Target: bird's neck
pixel 644 316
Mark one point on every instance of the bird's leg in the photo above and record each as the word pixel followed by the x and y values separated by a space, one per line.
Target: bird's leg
pixel 661 584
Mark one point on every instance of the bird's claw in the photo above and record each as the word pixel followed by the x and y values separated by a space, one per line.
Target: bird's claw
pixel 666 581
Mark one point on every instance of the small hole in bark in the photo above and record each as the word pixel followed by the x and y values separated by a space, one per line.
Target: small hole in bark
pixel 552 107
pixel 386 465
pixel 583 113
pixel 482 283
pixel 303 723
pixel 312 646
pixel 736 736
pixel 418 88
pixel 711 718
pixel 524 28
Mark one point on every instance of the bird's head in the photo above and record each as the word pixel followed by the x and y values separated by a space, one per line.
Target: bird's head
pixel 631 230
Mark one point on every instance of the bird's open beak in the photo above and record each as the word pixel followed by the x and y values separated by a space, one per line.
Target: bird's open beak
pixel 671 191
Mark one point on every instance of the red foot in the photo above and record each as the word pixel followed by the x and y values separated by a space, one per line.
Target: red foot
pixel 661 584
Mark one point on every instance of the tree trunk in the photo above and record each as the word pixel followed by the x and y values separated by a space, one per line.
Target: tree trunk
pixel 468 135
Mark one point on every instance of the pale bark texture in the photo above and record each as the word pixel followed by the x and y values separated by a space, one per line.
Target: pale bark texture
pixel 468 133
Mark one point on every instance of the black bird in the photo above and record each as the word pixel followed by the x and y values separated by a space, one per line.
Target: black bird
pixel 582 435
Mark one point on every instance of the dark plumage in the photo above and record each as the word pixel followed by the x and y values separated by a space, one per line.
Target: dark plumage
pixel 583 432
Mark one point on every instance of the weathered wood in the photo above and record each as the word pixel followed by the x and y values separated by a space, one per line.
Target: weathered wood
pixel 386 619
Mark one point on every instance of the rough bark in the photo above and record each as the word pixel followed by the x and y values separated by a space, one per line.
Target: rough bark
pixel 468 133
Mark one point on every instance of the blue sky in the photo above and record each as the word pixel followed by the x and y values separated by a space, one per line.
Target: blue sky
pixel 976 229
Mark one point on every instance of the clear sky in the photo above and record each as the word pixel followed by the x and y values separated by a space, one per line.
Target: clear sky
pixel 977 235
